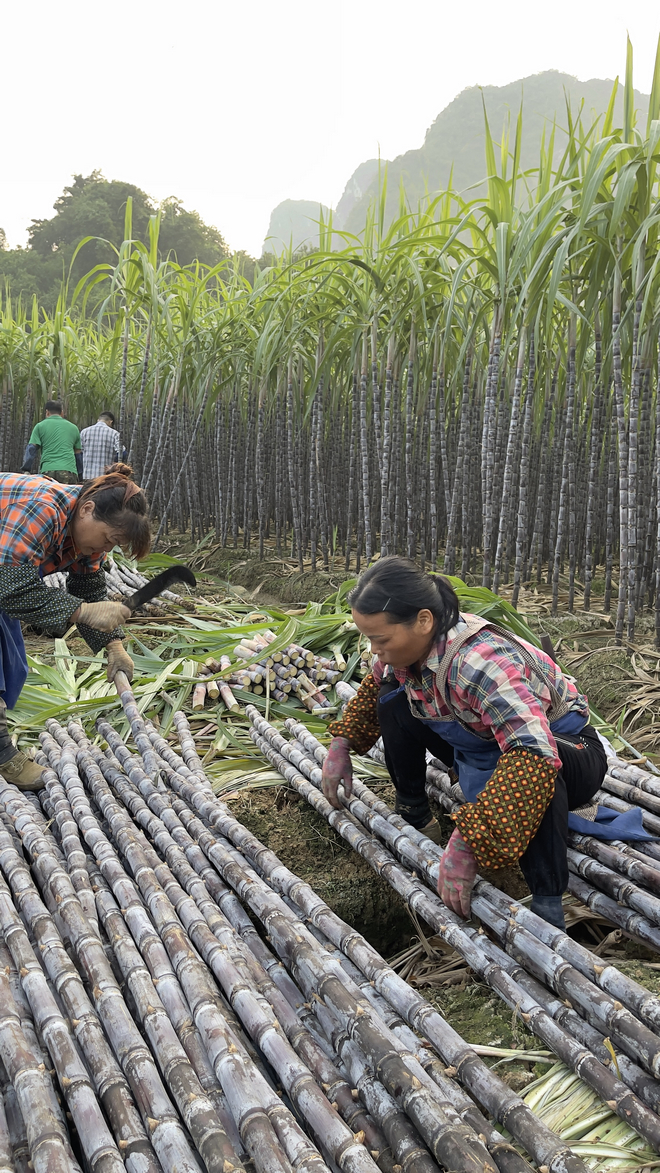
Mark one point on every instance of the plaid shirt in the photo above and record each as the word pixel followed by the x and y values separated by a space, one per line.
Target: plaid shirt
pixel 35 515
pixel 492 689
pixel 489 686
pixel 101 446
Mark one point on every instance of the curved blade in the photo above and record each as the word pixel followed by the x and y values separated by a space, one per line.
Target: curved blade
pixel 160 583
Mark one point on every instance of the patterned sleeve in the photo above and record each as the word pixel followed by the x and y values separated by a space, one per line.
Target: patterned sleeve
pixel 91 588
pixel 359 720
pixel 24 596
pixel 501 824
pixel 491 682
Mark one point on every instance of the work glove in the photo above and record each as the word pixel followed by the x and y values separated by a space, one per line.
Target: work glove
pixel 118 660
pixel 337 768
pixel 458 871
pixel 103 616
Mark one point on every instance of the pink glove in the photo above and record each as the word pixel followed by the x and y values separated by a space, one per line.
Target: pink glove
pixel 337 768
pixel 458 870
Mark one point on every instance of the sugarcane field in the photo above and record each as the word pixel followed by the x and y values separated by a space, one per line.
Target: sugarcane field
pixel 330 637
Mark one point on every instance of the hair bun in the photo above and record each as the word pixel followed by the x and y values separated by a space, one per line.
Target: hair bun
pixel 124 470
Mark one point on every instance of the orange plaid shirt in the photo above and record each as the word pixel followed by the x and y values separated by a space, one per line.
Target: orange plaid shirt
pixel 35 539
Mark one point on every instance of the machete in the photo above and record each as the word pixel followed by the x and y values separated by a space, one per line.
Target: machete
pixel 160 583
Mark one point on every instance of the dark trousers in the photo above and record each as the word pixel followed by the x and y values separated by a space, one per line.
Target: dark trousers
pixel 544 863
pixel 63 476
pixel 7 748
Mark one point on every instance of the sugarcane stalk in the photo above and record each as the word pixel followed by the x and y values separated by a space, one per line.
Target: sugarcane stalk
pixel 97 1142
pixel 620 859
pixel 350 832
pixel 195 1109
pixel 555 1154
pixel 643 1043
pixel 32 1038
pixel 633 923
pixel 35 1044
pixel 124 690
pixel 506 1157
pixel 643 1085
pixel 632 1036
pixel 623 891
pixel 194 978
pixel 15 1127
pixel 47 1139
pixel 111 1085
pixel 437 1131
pixel 606 978
pixel 76 859
pixel 449 926
pixel 427 1119
pixel 235 983
pixel 251 1100
pixel 6 1157
pixel 186 741
pixel 326 1074
pixel 167 1136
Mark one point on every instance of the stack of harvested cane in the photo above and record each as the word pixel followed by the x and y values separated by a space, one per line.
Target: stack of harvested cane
pixel 147 1024
pixel 600 1023
pixel 120 580
pixel 294 671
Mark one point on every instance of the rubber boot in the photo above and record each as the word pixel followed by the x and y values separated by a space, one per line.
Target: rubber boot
pixel 414 809
pixel 549 908
pixel 22 772
pixel 15 766
pixel 433 831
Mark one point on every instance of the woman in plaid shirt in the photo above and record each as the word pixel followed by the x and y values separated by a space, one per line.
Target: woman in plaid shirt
pixel 492 707
pixel 46 526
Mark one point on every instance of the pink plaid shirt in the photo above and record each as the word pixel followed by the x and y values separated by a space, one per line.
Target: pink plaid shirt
pixel 492 689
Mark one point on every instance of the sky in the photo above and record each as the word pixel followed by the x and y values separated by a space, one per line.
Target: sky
pixel 234 107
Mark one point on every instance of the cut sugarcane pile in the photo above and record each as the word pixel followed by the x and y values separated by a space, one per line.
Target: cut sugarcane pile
pixel 579 1006
pixel 601 1024
pixel 121 579
pixel 146 1023
pixel 294 671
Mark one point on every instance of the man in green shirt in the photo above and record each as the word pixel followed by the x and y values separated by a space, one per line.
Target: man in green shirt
pixel 58 443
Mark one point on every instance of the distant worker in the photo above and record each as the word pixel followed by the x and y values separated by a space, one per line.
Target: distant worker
pixel 57 442
pixel 101 446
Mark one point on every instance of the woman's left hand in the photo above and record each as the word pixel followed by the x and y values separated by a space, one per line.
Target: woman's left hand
pixel 118 660
pixel 458 871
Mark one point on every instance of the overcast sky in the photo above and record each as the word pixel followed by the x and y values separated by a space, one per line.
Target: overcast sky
pixel 234 107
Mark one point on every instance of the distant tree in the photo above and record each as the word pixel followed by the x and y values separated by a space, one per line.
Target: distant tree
pixel 91 206
pixel 95 206
pixel 3 240
pixel 187 236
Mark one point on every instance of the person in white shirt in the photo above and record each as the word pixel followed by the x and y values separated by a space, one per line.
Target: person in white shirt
pixel 101 446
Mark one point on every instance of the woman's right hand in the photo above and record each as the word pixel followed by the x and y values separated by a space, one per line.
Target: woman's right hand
pixel 103 616
pixel 337 768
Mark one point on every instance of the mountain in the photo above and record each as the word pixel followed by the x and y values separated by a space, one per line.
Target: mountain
pixel 454 144
pixel 294 224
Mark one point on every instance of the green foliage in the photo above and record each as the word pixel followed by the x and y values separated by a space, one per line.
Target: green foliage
pixel 95 207
pixel 480 601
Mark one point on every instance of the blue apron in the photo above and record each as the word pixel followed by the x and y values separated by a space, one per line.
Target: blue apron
pixel 475 758
pixel 13 661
